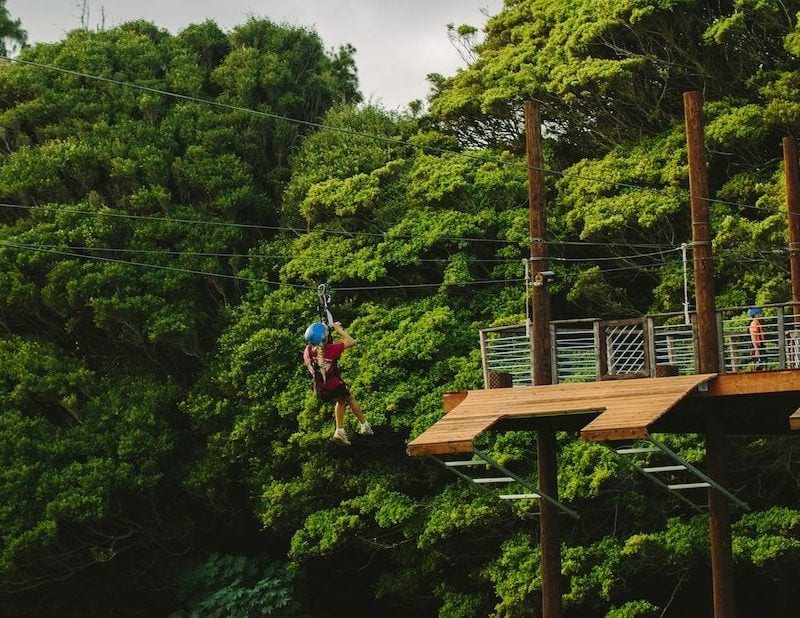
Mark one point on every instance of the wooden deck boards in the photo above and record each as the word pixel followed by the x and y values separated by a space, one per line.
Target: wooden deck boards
pixel 625 409
pixel 629 416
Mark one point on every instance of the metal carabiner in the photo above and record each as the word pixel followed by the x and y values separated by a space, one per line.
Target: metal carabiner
pixel 324 303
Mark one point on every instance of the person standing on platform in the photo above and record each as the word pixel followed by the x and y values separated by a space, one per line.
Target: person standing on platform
pixel 756 338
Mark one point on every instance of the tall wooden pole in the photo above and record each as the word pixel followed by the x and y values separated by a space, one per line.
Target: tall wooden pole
pixel 540 297
pixel 708 348
pixel 549 537
pixel 719 524
pixel 708 355
pixel 792 169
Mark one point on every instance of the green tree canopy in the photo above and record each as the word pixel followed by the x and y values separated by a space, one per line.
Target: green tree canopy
pixel 114 199
pixel 160 448
pixel 12 36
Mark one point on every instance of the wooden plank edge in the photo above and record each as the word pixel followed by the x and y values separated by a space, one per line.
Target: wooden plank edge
pixel 440 448
pixel 637 433
pixel 794 421
pixel 752 383
pixel 609 435
pixel 451 400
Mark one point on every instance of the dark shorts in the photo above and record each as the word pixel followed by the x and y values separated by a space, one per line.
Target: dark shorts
pixel 336 393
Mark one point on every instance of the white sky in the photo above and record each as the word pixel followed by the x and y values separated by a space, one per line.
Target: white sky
pixel 398 42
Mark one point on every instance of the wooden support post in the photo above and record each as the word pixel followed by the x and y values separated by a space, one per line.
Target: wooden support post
pixel 708 361
pixel 540 296
pixel 719 520
pixel 792 170
pixel 708 354
pixel 550 539
pixel 484 358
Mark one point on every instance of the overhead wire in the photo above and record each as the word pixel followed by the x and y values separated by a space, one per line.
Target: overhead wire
pixel 279 228
pixel 610 244
pixel 29 247
pixel 396 141
pixel 615 258
pixel 640 267
pixel 385 235
pixel 285 258
pixel 170 252
pixel 70 250
pixel 163 252
pixel 661 248
pixel 239 108
pixel 659 264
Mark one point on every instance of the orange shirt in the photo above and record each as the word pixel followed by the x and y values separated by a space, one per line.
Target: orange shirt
pixel 756 333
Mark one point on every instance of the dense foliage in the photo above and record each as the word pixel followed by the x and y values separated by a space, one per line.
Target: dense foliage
pixel 160 449
pixel 12 36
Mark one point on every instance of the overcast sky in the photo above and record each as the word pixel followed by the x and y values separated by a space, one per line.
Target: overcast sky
pixel 398 42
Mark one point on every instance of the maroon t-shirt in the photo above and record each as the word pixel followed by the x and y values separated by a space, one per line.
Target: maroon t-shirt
pixel 331 354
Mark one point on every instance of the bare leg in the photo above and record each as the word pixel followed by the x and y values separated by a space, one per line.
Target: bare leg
pixel 338 412
pixel 351 401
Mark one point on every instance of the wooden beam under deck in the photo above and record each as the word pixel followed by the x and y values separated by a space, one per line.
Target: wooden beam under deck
pixel 764 402
pixel 753 383
pixel 757 403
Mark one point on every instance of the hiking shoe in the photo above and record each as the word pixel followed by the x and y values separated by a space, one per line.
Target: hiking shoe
pixel 340 437
pixel 366 429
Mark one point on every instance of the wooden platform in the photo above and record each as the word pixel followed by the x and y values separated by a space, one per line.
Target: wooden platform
pixel 755 403
pixel 623 409
pixel 766 403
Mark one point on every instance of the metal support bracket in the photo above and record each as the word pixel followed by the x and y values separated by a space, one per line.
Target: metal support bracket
pixel 528 492
pixel 678 465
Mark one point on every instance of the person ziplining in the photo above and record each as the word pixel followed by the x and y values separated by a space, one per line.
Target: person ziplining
pixel 321 357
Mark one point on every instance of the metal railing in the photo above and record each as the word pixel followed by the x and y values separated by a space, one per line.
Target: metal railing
pixel 673 342
pixel 780 340
pixel 575 350
pixel 507 349
pixel 624 349
pixel 592 349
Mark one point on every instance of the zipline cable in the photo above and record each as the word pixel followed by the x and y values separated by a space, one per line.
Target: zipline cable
pixel 59 250
pixel 155 266
pixel 27 247
pixel 239 108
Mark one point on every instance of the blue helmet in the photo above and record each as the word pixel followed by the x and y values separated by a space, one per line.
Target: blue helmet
pixel 754 311
pixel 316 333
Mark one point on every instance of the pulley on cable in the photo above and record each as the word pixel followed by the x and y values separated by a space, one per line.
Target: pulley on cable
pixel 324 305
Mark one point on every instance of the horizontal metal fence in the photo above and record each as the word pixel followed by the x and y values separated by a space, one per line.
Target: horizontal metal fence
pixel 673 344
pixel 574 350
pixel 507 349
pixel 779 342
pixel 583 349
